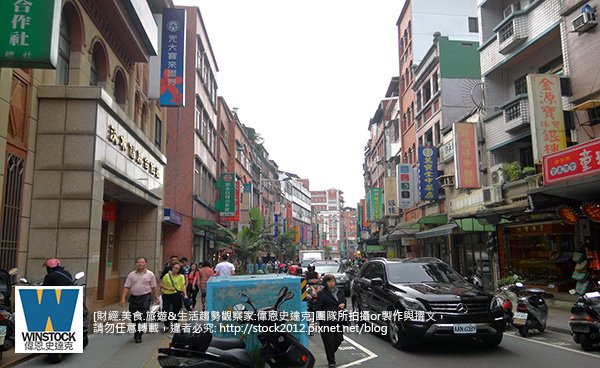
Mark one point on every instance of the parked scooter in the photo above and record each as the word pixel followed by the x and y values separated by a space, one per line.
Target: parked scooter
pixel 7 317
pixel 585 320
pixel 58 357
pixel 507 294
pixel 278 349
pixel 532 311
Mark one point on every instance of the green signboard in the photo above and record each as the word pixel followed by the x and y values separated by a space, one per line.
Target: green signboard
pixel 226 202
pixel 29 33
pixel 376 204
pixel 376 248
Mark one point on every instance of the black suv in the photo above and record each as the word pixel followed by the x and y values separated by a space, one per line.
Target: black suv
pixel 426 287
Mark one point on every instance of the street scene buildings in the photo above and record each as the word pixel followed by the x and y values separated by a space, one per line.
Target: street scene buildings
pixel 482 153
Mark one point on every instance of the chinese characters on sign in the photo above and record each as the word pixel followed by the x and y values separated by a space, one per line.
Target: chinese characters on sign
pixel 289 215
pixel 133 153
pixel 172 90
pixel 573 162
pixel 236 217
pixel 467 161
pixel 547 120
pixel 428 172
pixel 390 190
pixel 376 204
pixel 568 215
pixel 406 186
pixel 363 206
pixel 29 33
pixel 226 202
pixel 591 211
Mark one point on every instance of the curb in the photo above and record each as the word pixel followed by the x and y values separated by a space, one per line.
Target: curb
pixel 562 330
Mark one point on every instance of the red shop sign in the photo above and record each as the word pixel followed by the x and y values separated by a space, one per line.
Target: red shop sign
pixel 109 211
pixel 591 211
pixel 573 162
pixel 568 215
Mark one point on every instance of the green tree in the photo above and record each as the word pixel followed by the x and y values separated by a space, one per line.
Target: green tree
pixel 284 246
pixel 250 241
pixel 327 252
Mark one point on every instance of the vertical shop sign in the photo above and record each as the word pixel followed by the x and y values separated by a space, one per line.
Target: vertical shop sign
pixel 547 120
pixel 236 217
pixel 466 166
pixel 172 83
pixel 406 186
pixel 390 191
pixel 428 173
pixel 226 202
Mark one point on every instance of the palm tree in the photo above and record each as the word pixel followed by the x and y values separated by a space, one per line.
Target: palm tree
pixel 284 246
pixel 250 241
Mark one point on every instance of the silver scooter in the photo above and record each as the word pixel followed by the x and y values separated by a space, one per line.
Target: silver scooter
pixel 532 310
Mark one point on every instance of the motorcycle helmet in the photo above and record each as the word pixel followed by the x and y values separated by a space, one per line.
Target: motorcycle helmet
pixel 311 267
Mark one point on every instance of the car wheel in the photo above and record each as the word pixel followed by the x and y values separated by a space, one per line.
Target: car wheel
pixel 524 330
pixel 55 358
pixel 493 341
pixel 542 328
pixel 398 337
pixel 586 342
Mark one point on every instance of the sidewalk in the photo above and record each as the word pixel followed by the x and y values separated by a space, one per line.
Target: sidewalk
pixel 559 311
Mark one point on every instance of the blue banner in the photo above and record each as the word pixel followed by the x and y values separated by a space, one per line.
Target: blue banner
pixel 428 173
pixel 172 54
pixel 276 227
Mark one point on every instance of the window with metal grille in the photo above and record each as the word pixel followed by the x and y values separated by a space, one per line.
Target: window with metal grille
pixel 513 111
pixel 521 85
pixel 506 32
pixel 526 157
pixel 11 211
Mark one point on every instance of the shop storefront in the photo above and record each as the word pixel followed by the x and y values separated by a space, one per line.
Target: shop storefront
pixel 541 253
pixel 97 191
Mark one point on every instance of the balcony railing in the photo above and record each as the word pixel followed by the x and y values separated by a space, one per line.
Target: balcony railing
pixel 516 113
pixel 512 34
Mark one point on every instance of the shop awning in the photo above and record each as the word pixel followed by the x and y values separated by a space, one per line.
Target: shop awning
pixel 201 226
pixel 589 104
pixel 436 231
pixel 205 224
pixel 472 224
pixel 434 220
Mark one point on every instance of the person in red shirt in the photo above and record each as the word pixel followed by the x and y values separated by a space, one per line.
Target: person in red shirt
pixel 205 273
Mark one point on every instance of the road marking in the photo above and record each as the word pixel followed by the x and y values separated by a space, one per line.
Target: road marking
pixel 370 354
pixel 555 346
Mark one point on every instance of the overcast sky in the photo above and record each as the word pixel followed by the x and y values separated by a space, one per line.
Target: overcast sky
pixel 307 75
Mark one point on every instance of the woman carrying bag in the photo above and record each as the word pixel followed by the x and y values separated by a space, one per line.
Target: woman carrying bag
pixel 331 299
pixel 193 285
pixel 173 292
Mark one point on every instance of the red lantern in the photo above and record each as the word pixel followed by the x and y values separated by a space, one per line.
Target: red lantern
pixel 568 215
pixel 591 211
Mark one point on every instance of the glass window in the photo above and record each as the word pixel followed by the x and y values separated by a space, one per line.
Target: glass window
pixel 197 182
pixel 422 273
pixel 198 114
pixel 64 50
pixel 473 25
pixel 521 85
pixel 94 70
pixel 158 133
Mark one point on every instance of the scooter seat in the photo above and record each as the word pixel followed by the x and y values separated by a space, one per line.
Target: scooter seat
pixel 236 356
pixel 225 343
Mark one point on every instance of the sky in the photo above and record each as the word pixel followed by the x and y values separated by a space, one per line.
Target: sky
pixel 307 75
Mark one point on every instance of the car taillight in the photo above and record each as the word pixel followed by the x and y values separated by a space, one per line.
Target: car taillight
pixel 304 358
pixel 522 308
pixel 581 318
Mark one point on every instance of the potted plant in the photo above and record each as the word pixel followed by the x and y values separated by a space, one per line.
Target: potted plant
pixel 529 171
pixel 512 171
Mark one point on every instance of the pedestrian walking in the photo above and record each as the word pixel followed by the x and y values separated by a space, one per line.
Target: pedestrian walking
pixel 193 285
pixel 206 272
pixel 173 286
pixel 224 268
pixel 141 286
pixel 331 299
pixel 185 267
pixel 173 260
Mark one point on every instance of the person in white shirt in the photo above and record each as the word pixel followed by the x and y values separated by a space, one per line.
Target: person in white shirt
pixel 224 268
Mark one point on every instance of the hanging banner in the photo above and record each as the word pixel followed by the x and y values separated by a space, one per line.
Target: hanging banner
pixel 236 217
pixel 247 200
pixel 172 83
pixel 289 214
pixel 359 219
pixel 29 33
pixel 466 168
pixel 109 211
pixel 428 173
pixel 296 230
pixel 406 186
pixel 390 189
pixel 376 202
pixel 226 202
pixel 591 211
pixel 276 227
pixel 546 115
pixel 363 206
pixel 572 163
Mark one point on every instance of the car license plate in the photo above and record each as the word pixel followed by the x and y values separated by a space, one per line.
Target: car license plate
pixel 581 328
pixel 520 318
pixel 2 335
pixel 469 328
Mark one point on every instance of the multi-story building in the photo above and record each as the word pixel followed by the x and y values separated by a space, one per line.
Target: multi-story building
pixel 192 152
pixel 297 202
pixel 525 68
pixel 327 204
pixel 349 217
pixel 84 148
pixel 444 95
pixel 417 23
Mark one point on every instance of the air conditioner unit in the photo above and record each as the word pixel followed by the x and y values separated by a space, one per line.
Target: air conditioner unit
pixel 492 195
pixel 498 175
pixel 584 22
pixel 511 9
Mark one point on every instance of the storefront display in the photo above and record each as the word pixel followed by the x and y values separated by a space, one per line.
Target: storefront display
pixel 542 253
